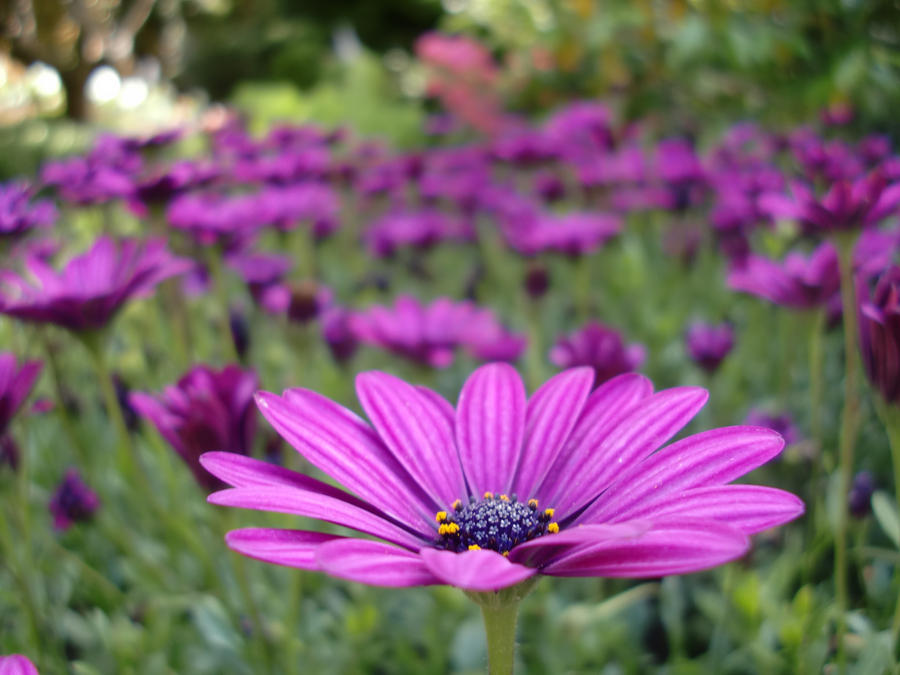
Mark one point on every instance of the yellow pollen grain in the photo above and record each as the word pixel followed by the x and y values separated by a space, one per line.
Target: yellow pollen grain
pixel 488 495
pixel 457 505
pixel 440 516
pixel 550 512
pixel 474 547
pixel 533 503
pixel 504 498
pixel 553 528
pixel 505 554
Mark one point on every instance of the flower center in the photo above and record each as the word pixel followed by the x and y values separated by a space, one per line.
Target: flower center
pixel 497 523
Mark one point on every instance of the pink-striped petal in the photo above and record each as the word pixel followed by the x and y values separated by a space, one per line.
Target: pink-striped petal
pixel 342 445
pixel 480 570
pixel 605 408
pixel 490 424
pixel 242 471
pixel 669 548
pixel 292 548
pixel 747 508
pixel 712 457
pixel 417 432
pixel 550 417
pixel 16 664
pixel 313 505
pixel 540 551
pixel 373 563
pixel 599 461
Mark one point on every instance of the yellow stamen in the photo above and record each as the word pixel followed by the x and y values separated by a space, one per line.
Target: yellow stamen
pixel 553 528
pixel 549 512
pixel 474 547
pixel 505 554
pixel 504 498
pixel 488 495
pixel 448 528
pixel 533 503
pixel 441 516
pixel 457 505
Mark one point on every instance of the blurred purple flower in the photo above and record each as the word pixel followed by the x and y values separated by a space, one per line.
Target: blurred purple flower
pixel 16 664
pixel 16 383
pixel 597 497
pixel 338 334
pixel 708 344
pixel 429 334
pixel 859 500
pixel 800 282
pixel 861 203
pixel 418 229
pixel 92 287
pixel 18 214
pixel 879 326
pixel 573 234
pixel 599 347
pixel 783 424
pixel 206 409
pixel 72 502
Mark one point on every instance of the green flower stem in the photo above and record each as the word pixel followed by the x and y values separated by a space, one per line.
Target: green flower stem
pixel 96 344
pixel 214 264
pixel 18 570
pixel 500 610
pixel 63 411
pixel 849 419
pixel 582 288
pixel 816 367
pixel 890 416
pixel 534 364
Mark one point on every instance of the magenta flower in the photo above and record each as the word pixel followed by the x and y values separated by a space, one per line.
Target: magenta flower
pixel 782 423
pixel 16 664
pixel 15 385
pixel 847 204
pixel 503 488
pixel 416 229
pixel 206 409
pixel 600 347
pixel 72 502
pixel 19 214
pixel 429 334
pixel 573 234
pixel 92 287
pixel 879 326
pixel 709 344
pixel 799 282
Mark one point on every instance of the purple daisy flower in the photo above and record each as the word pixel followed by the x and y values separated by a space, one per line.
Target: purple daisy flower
pixel 15 384
pixel 18 214
pixel 503 488
pixel 338 334
pixel 16 664
pixel 600 347
pixel 573 234
pixel 92 287
pixel 709 344
pixel 799 282
pixel 72 502
pixel 205 409
pixel 879 326
pixel 429 334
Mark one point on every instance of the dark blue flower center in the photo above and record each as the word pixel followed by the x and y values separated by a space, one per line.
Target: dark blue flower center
pixel 497 523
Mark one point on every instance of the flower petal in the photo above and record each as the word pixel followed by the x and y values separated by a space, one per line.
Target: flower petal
pixel 339 443
pixel 713 457
pixel 602 457
pixel 490 424
pixel 481 570
pixel 373 563
pixel 242 471
pixel 418 433
pixel 608 404
pixel 669 548
pixel 313 505
pixel 540 551
pixel 550 417
pixel 293 548
pixel 747 508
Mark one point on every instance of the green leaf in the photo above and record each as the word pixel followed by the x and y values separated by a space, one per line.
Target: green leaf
pixel 886 514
